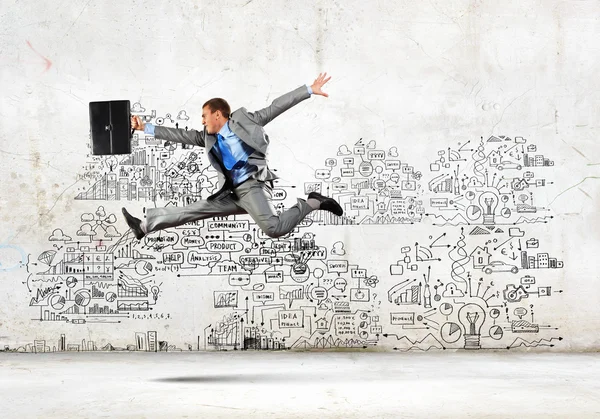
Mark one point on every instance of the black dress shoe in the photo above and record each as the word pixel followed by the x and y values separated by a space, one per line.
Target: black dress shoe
pixel 327 204
pixel 134 224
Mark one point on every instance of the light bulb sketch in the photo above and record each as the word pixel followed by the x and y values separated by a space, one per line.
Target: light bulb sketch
pixel 155 290
pixel 471 316
pixel 488 201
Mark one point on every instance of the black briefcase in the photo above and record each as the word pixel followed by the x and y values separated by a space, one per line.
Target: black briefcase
pixel 110 127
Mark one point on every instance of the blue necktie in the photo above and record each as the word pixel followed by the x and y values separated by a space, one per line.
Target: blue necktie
pixel 228 160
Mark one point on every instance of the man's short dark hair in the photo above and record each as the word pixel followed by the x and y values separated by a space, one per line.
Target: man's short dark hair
pixel 218 104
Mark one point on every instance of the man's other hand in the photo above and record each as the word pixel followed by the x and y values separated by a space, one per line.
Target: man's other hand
pixel 318 83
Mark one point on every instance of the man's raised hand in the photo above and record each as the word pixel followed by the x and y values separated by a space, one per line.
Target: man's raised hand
pixel 318 83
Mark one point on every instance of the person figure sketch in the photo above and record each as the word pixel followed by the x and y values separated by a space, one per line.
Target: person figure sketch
pixel 236 145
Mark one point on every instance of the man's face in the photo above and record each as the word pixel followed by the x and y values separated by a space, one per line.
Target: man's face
pixel 210 120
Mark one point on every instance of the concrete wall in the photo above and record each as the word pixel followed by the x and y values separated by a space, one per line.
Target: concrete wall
pixel 428 102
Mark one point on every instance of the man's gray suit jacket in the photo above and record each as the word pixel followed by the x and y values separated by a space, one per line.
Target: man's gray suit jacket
pixel 248 126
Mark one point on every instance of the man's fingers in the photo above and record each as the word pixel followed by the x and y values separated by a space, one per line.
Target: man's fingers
pixel 135 121
pixel 321 79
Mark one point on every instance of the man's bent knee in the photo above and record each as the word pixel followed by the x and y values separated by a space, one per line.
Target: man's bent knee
pixel 271 231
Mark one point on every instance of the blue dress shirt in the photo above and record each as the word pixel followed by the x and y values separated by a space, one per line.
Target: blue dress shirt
pixel 240 152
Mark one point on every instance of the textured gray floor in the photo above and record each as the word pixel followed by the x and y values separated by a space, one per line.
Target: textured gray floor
pixel 299 385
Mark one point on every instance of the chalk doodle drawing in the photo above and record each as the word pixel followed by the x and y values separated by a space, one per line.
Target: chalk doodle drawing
pixel 491 183
pixel 473 281
pixel 469 293
pixel 374 186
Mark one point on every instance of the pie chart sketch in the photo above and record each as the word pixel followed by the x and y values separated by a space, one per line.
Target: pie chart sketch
pixel 71 281
pixel 450 332
pixel 143 267
pixel 473 212
pixel 494 313
pixel 57 302
pixel 169 145
pixel 83 298
pixel 496 332
pixel 111 297
pixel 446 309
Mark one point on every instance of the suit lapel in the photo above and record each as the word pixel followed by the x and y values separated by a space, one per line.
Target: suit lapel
pixel 245 132
pixel 210 141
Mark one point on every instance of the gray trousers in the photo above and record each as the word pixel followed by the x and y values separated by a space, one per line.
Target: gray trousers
pixel 254 198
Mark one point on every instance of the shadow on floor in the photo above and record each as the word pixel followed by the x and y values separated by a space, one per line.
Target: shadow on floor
pixel 242 378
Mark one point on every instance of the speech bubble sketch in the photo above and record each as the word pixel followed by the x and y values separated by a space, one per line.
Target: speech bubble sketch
pixel 319 294
pixel 340 284
pixel 203 258
pixel 192 241
pixel 520 311
pixel 224 246
pixel 161 240
pixel 337 266
pixel 263 297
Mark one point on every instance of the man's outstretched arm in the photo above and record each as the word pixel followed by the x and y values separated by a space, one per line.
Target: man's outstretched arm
pixel 285 102
pixel 178 135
